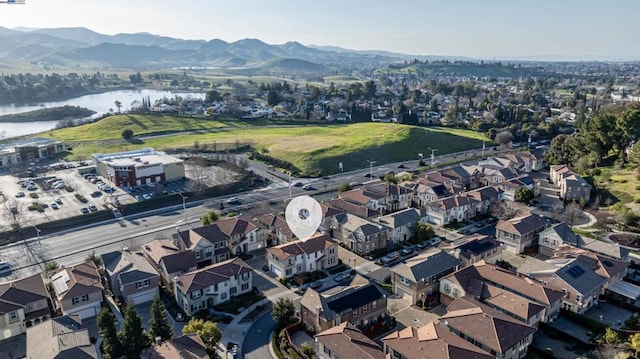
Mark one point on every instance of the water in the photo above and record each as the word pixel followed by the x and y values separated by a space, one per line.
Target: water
pixel 100 103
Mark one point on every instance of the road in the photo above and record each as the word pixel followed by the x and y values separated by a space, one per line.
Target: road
pixel 70 247
pixel 256 342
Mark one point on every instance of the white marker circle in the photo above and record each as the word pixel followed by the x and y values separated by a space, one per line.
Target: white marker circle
pixel 303 215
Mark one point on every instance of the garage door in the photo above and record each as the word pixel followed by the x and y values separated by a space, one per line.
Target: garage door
pixel 403 294
pixel 276 270
pixel 141 297
pixel 86 313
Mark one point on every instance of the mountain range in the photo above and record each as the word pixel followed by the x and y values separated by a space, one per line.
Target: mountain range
pixel 81 47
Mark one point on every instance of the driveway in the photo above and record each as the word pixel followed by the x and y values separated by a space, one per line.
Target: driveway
pixel 609 314
pixel 410 316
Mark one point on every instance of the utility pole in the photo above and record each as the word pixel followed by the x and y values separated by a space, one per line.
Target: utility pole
pixel 184 206
pixel 371 169
pixel 433 157
pixel 289 186
pixel 483 149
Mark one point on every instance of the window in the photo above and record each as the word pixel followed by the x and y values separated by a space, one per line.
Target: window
pixel 13 316
pixel 233 291
pixel 364 309
pixel 355 313
pixel 245 286
pixel 142 283
pixel 223 296
pixel 578 297
pixel 197 294
pixel 326 351
pixel 245 275
pixel 80 299
pixel 197 254
pixel 374 304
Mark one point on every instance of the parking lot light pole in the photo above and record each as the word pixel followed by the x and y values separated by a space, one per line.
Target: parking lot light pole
pixel 433 157
pixel 37 234
pixel 184 206
pixel 371 169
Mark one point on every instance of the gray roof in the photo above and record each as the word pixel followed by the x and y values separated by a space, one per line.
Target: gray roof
pixel 579 276
pixel 563 232
pixel 129 266
pixel 409 216
pixel 612 250
pixel 60 337
pixel 426 265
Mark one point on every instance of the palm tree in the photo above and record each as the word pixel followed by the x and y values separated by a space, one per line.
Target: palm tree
pixel 118 105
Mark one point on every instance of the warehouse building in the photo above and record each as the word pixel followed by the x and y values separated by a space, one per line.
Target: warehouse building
pixel 134 168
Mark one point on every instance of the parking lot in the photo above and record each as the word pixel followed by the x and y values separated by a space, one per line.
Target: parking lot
pixel 57 192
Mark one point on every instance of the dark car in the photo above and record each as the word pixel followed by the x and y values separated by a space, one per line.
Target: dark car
pixel 406 251
pixel 315 285
pixel 366 175
pixel 400 166
pixel 95 194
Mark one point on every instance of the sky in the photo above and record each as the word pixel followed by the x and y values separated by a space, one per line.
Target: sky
pixel 516 29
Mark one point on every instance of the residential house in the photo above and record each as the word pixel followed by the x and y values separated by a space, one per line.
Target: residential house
pixel 346 341
pixel 451 209
pixel 418 278
pixel 316 253
pixel 23 303
pixel 488 329
pixel 60 337
pixel 212 285
pixel 477 280
pixel 486 198
pixel 131 276
pixel 612 250
pixel 169 260
pixel 344 206
pixel 78 290
pixel 426 190
pixel 475 248
pixel 467 176
pixel 432 341
pixel 521 231
pixel 496 176
pixel 401 224
pixel 328 213
pixel 360 302
pixel 572 186
pixel 362 197
pixel 381 196
pixel 578 280
pixel 510 187
pixel 359 235
pixel 277 228
pixel 187 346
pixel 208 244
pixel 242 235
pixel 556 236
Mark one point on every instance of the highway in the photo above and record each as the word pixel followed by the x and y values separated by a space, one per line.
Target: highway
pixel 70 247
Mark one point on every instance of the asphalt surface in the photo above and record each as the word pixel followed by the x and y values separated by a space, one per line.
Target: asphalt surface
pixel 256 342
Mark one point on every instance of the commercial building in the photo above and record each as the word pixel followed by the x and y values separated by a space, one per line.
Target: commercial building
pixel 28 150
pixel 133 168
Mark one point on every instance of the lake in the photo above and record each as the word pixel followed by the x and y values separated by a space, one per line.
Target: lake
pixel 100 103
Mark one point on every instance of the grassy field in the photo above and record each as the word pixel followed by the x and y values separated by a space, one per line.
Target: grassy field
pixel 621 184
pixel 310 148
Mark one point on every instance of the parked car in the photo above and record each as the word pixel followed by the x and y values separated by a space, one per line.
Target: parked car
pixel 54 206
pixel 315 285
pixel 59 200
pixel 406 251
pixel 5 267
pixel 32 188
pixel 390 257
pixel 146 196
pixel 150 185
pixel 342 276
pixel 422 245
pixel 93 208
pixel 20 194
pixel 434 241
pixel 95 194
pixel 84 210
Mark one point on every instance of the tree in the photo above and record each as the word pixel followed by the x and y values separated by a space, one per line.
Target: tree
pixel 308 350
pixel 283 312
pixel 127 133
pixel 610 337
pixel 344 187
pixel 571 213
pixel 434 107
pixel 132 336
pixel 159 324
pixel 634 343
pixel 424 232
pixel 14 213
pixel 111 345
pixel 523 195
pixel 212 96
pixel 118 105
pixel 504 137
pixel 209 218
pixel 273 98
pixel 206 330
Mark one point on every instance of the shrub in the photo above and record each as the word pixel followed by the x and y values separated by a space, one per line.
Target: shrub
pixel 81 198
pixel 127 133
pixel 33 195
pixel 596 172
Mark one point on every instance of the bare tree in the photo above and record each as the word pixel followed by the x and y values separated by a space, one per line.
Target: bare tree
pixel 200 175
pixel 572 212
pixel 504 210
pixel 504 137
pixel 14 213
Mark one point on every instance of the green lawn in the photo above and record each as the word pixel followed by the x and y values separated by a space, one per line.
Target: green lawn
pixel 621 184
pixel 308 147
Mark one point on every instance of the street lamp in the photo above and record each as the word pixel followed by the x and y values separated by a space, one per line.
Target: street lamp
pixel 37 234
pixel 371 168
pixel 433 157
pixel 184 206
pixel 483 149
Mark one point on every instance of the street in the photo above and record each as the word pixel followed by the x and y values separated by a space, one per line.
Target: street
pixel 256 342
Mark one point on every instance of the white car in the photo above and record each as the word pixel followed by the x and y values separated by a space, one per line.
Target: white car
pixel 434 241
pixel 146 196
pixel 233 200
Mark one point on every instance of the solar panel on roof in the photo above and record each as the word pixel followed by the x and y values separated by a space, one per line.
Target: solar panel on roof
pixel 575 271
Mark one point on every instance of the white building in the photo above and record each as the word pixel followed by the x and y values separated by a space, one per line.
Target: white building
pixel 133 168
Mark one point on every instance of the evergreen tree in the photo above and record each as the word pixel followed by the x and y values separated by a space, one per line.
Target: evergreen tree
pixel 132 335
pixel 110 343
pixel 206 330
pixel 283 312
pixel 159 325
